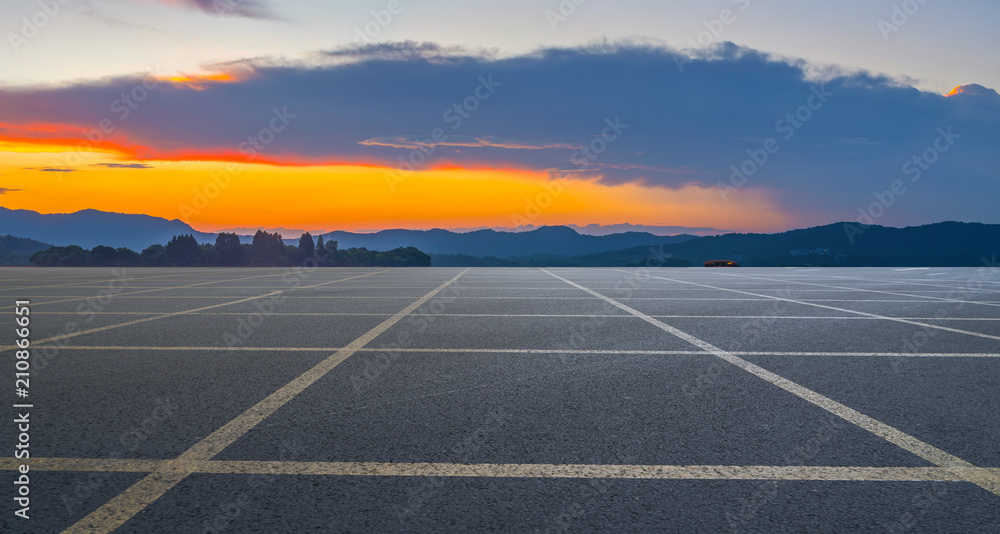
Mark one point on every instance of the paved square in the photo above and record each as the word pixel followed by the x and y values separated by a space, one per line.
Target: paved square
pixel 538 400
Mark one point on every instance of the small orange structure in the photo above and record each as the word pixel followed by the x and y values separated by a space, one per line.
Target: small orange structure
pixel 721 263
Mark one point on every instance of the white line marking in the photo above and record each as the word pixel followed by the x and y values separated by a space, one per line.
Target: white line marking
pixel 427 469
pixel 387 314
pixel 75 298
pixel 137 497
pixel 100 285
pixel 924 450
pixel 928 298
pixel 473 350
pixel 921 282
pixel 813 303
pixel 916 298
pixel 183 312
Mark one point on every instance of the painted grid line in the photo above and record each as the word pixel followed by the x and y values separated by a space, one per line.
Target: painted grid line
pixel 924 450
pixel 490 470
pixel 183 312
pixel 133 500
pixel 479 350
pixel 834 308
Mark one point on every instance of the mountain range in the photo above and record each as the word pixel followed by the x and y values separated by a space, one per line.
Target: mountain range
pixel 558 240
pixel 844 244
pixel 89 228
pixel 839 244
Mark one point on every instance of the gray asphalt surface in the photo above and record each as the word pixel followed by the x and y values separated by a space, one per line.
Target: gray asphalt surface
pixel 509 366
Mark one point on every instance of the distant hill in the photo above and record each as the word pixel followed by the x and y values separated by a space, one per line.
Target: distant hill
pixel 842 244
pixel 940 244
pixel 15 251
pixel 89 228
pixel 554 260
pixel 557 240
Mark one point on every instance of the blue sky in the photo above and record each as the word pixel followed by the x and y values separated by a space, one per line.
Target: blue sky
pixel 941 45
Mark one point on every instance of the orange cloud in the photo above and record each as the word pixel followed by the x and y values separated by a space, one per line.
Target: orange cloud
pixel 200 82
pixel 61 138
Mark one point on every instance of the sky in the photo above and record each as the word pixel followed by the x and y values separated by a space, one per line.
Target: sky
pixel 713 115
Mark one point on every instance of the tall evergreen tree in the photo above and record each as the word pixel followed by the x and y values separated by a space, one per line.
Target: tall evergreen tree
pixel 183 250
pixel 154 256
pixel 268 249
pixel 228 249
pixel 306 245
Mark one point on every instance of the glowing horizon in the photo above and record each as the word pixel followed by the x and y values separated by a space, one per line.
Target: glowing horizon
pixel 213 195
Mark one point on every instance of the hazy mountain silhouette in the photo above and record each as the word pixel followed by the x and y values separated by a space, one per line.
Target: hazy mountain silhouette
pixel 558 240
pixel 89 228
pixel 17 250
pixel 940 244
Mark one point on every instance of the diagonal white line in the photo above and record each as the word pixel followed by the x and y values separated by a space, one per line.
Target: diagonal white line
pixel 922 449
pixel 184 312
pixel 834 308
pixel 942 299
pixel 133 500
pixel 74 298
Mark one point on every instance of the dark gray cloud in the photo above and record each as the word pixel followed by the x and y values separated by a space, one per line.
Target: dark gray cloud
pixel 227 8
pixel 123 165
pixel 50 169
pixel 5 190
pixel 824 139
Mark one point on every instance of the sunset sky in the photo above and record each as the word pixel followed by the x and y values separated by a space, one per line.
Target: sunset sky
pixel 737 115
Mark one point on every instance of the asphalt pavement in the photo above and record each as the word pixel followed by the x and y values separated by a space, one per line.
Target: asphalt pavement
pixel 505 399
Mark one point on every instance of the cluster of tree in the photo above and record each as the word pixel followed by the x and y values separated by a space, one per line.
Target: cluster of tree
pixel 266 250
pixel 17 250
pixel 75 256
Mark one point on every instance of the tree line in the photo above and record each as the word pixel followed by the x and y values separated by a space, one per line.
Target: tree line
pixel 266 250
